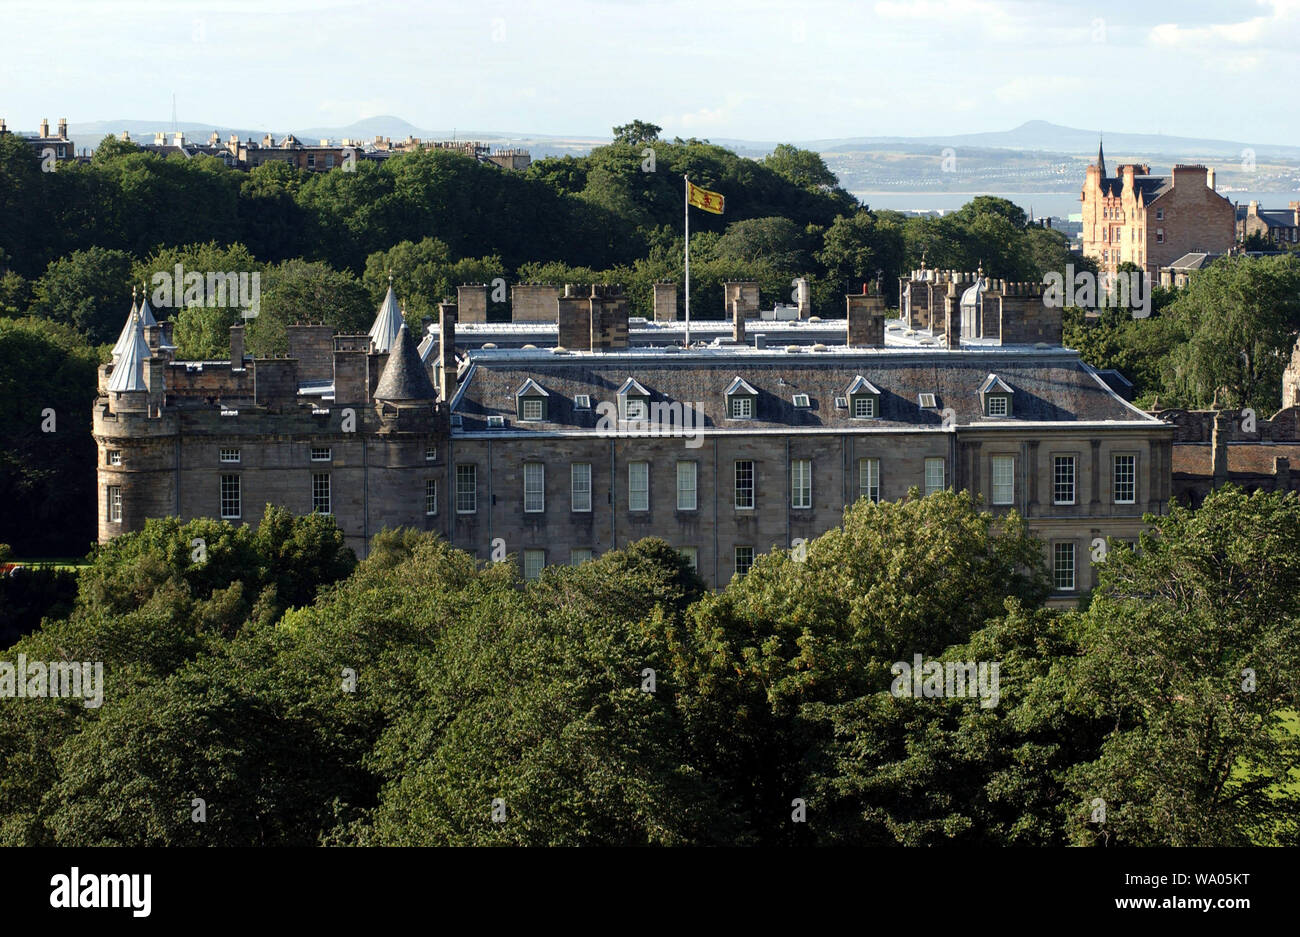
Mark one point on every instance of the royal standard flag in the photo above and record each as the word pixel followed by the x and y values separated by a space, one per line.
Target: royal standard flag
pixel 704 199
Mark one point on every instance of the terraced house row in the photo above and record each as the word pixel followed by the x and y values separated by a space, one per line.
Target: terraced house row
pixel 556 452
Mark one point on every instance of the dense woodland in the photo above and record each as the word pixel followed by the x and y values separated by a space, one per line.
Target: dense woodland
pixel 74 243
pixel 1162 713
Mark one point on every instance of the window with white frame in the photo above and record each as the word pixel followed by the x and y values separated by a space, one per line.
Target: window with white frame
pixel 1063 566
pixel 580 555
pixel 636 408
pixel 801 483
pixel 531 408
pixel 638 486
pixel 742 408
pixel 229 455
pixel 534 560
pixel 934 475
pixel 692 556
pixel 320 493
pixel 744 560
pixel 230 507
pixel 1124 478
pixel 1004 479
pixel 582 402
pixel 115 457
pixel 466 489
pixel 864 408
pixel 430 496
pixel 431 454
pixel 997 405
pixel 745 484
pixel 1063 479
pixel 115 503
pixel 580 487
pixel 534 484
pixel 869 479
pixel 686 486
pixel 320 453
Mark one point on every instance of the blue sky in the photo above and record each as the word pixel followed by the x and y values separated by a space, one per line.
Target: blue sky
pixel 709 68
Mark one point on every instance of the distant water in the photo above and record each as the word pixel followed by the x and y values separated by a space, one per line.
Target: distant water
pixel 1057 204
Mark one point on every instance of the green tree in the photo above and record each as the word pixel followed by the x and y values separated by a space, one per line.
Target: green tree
pixel 805 168
pixel 89 290
pixel 1189 656
pixel 637 132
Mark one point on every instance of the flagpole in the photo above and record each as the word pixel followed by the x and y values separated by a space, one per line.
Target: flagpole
pixel 687 209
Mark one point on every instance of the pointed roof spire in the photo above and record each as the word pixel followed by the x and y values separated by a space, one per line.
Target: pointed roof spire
pixel 404 376
pixel 128 331
pixel 128 371
pixel 387 322
pixel 1101 158
pixel 146 314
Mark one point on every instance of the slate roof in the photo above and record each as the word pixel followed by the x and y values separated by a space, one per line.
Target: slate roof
pixel 1194 260
pixel 387 323
pixel 1050 386
pixel 1152 187
pixel 404 376
pixel 124 340
pixel 128 372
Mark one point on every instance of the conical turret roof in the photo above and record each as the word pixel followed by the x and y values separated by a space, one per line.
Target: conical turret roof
pixel 404 377
pixel 146 314
pixel 130 328
pixel 128 372
pixel 387 323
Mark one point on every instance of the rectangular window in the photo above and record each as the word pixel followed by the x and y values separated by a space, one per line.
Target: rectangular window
pixel 1063 479
pixel 582 402
pixel 229 497
pixel 431 454
pixel 1125 479
pixel 320 453
pixel 1063 566
pixel 580 486
pixel 686 486
pixel 580 555
pixel 1160 235
pixel 864 408
pixel 638 486
pixel 115 503
pixel 466 489
pixel 742 408
pixel 1004 479
pixel 534 560
pixel 229 455
pixel 1160 214
pixel 997 406
pixel 934 476
pixel 320 493
pixel 635 408
pixel 745 484
pixel 692 557
pixel 430 497
pixel 532 408
pixel 869 479
pixel 534 485
pixel 744 560
pixel 801 483
pixel 115 457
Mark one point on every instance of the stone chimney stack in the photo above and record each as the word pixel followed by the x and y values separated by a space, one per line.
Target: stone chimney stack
pixel 1295 213
pixel 737 322
pixel 573 314
pixel 1209 178
pixel 237 347
pixel 63 128
pixel 45 127
pixel 865 313
pixel 1219 445
pixel 665 302
pixel 153 338
pixel 803 297
pixel 447 351
pixel 952 316
pixel 608 318
pixel 154 371
pixel 471 302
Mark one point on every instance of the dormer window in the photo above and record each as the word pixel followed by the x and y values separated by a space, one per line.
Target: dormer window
pixel 864 399
pixel 496 422
pixel 801 402
pixel 633 401
pixel 530 402
pixel 996 397
pixel 582 402
pixel 927 401
pixel 742 400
